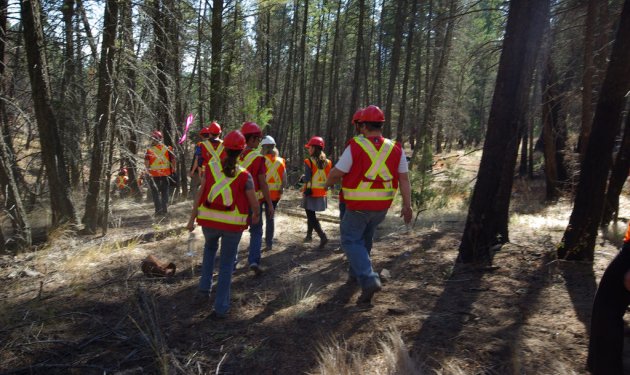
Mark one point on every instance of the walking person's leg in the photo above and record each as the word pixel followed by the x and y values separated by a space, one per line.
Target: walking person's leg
pixel 310 223
pixel 229 249
pixel 210 247
pixel 270 228
pixel 255 245
pixel 323 240
pixel 155 195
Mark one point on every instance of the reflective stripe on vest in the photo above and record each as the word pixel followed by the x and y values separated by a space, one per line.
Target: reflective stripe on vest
pixel 249 159
pixel 161 162
pixel 214 153
pixel 221 187
pixel 121 182
pixel 378 168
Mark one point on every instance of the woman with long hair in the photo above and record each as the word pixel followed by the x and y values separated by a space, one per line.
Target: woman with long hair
pixel 221 209
pixel 316 169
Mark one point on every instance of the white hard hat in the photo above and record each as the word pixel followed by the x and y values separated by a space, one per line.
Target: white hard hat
pixel 268 140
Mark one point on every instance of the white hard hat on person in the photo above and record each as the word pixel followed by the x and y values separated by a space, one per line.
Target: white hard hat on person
pixel 268 140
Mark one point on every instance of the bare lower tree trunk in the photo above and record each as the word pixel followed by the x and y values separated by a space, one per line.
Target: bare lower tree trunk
pixel 578 242
pixel 52 150
pixel 587 76
pixel 216 88
pixel 99 164
pixel 525 24
pixel 399 25
pixel 617 177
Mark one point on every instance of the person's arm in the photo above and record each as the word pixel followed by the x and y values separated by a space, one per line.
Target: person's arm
pixel 195 209
pixel 262 182
pixel 405 191
pixel 195 166
pixel 334 177
pixel 254 205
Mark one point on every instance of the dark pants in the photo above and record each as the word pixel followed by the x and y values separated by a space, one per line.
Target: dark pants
pixel 160 193
pixel 270 228
pixel 605 348
pixel 313 223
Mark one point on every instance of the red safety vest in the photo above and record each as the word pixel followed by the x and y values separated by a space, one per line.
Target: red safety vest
pixel 372 181
pixel 224 204
pixel 211 150
pixel 159 158
pixel 251 160
pixel 318 178
pixel 275 170
pixel 121 182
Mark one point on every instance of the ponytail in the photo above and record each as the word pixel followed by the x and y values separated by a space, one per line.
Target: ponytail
pixel 230 161
pixel 319 156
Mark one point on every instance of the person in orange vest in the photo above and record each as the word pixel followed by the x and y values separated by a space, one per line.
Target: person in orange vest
pixel 208 148
pixel 254 162
pixel 276 175
pixel 159 161
pixel 222 208
pixel 122 183
pixel 605 347
pixel 371 169
pixel 316 169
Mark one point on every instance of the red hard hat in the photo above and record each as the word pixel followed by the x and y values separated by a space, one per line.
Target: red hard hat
pixel 315 141
pixel 205 130
pixel 235 140
pixel 123 170
pixel 214 128
pixel 372 113
pixel 157 134
pixel 251 128
pixel 357 116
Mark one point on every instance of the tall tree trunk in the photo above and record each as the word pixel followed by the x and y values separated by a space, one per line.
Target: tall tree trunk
pixel 216 42
pixel 333 89
pixel 550 119
pixel 358 59
pixel 399 25
pixel 14 205
pixel 618 177
pixel 405 84
pixel 587 77
pixel 52 150
pixel 99 167
pixel 303 73
pixel 523 34
pixel 578 242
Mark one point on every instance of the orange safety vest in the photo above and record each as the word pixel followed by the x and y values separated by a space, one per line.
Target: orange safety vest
pixel 121 182
pixel 275 170
pixel 318 178
pixel 225 205
pixel 627 236
pixel 159 160
pixel 372 181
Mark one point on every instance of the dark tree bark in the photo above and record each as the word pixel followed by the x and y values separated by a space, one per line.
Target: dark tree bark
pixel 526 19
pixel 99 167
pixel 358 59
pixel 216 43
pixel 578 242
pixel 618 177
pixel 399 25
pixel 587 77
pixel 405 84
pixel 302 73
pixel 52 150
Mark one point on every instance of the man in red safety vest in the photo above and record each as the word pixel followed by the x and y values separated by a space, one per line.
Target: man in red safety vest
pixel 159 161
pixel 254 162
pixel 371 169
pixel 209 148
pixel 122 183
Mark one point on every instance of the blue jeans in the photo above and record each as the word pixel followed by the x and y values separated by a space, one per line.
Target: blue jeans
pixel 229 248
pixel 269 229
pixel 357 235
pixel 342 209
pixel 255 240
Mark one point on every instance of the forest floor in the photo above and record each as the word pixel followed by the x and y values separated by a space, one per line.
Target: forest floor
pixel 81 305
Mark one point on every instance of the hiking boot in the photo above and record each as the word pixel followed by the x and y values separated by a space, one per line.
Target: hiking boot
pixel 308 239
pixel 256 269
pixel 216 316
pixel 322 242
pixel 368 292
pixel 267 248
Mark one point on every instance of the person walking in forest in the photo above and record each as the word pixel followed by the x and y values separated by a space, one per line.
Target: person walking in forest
pixel 121 184
pixel 254 162
pixel 371 169
pixel 276 175
pixel 208 148
pixel 159 161
pixel 605 347
pixel 316 169
pixel 221 208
